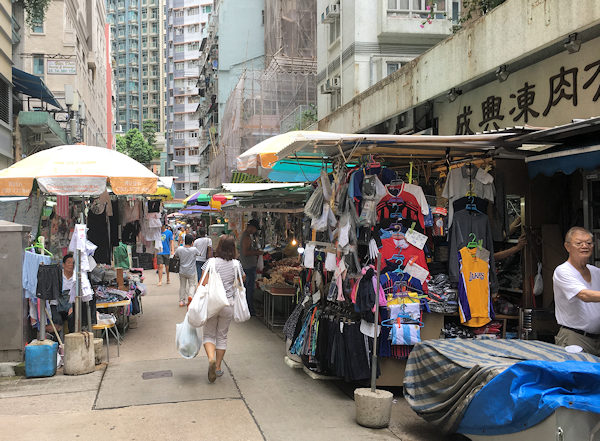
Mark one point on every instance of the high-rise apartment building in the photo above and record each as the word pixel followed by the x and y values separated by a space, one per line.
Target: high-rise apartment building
pixel 137 29
pixel 186 22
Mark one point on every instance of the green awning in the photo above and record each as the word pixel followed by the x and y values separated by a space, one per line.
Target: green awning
pixel 173 205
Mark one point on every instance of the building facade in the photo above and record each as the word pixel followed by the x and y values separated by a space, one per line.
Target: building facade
pixel 7 37
pixel 275 97
pixel 371 40
pixel 137 28
pixel 68 53
pixel 235 43
pixel 541 70
pixel 186 27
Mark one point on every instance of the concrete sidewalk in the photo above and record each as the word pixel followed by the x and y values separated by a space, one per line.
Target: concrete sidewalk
pixel 259 397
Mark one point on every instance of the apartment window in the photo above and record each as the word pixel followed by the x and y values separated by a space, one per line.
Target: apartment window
pixel 179 169
pixel 179 117
pixel 38 65
pixel 193 152
pixel 178 135
pixel 38 28
pixel 193 134
pixel 179 186
pixel 154 27
pixel 334 31
pixel 416 8
pixel 154 13
pixel 194 186
pixel 180 100
pixel 193 11
pixel 192 64
pixel 335 100
pixel 144 28
pixel 207 9
pixel 179 152
pixel 121 19
pixel 145 113
pixel 193 28
pixel 4 101
pixel 179 48
pixel 194 99
pixel 179 65
pixel 193 168
pixel 178 13
pixel 393 67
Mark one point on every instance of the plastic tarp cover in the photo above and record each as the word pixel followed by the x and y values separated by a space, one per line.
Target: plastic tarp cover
pixel 528 392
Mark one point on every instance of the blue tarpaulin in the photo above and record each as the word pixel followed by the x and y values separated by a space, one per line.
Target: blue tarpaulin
pixel 33 86
pixel 528 392
pixel 565 161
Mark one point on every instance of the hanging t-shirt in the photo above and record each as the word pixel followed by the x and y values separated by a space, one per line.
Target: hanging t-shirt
pixel 465 179
pixel 406 208
pixel 400 248
pixel 474 301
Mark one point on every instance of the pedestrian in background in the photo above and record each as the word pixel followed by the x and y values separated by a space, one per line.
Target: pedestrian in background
pixel 204 245
pixel 187 269
pixel 217 327
pixel 164 257
pixel 249 253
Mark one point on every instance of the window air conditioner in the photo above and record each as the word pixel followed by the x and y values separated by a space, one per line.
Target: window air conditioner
pixel 332 12
pixel 325 89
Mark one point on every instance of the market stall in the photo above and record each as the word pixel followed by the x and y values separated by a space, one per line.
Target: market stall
pixel 93 206
pixel 278 209
pixel 466 239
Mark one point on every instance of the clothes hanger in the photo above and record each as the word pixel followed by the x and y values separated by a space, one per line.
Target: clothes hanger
pixel 473 243
pixel 38 244
pixel 471 205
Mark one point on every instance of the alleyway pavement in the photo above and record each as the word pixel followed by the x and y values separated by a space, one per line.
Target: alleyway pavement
pixel 258 398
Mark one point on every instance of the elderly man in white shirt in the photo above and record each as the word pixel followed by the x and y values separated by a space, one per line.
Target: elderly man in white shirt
pixel 577 294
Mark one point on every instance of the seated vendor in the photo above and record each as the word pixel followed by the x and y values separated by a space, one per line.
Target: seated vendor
pixel 62 309
pixel 577 294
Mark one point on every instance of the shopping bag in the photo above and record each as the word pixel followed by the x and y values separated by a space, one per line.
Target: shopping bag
pixel 198 309
pixel 241 313
pixel 208 300
pixel 186 339
pixel 174 264
pixel 260 264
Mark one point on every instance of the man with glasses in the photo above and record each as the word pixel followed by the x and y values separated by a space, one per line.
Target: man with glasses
pixel 577 294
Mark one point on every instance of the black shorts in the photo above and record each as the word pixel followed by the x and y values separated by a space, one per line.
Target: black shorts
pixel 163 259
pixel 49 282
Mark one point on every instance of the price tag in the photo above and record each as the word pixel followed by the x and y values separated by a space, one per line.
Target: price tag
pixel 415 238
pixel 417 271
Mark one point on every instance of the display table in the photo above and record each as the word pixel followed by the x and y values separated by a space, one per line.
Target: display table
pixel 271 293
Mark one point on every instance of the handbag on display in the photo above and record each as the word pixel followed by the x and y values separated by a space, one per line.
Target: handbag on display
pixel 241 313
pixel 174 264
pixel 209 299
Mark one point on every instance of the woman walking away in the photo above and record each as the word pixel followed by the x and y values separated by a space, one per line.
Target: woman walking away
pixel 187 269
pixel 216 327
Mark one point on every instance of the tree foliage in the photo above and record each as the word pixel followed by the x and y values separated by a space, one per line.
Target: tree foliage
pixel 35 11
pixel 135 146
pixel 149 132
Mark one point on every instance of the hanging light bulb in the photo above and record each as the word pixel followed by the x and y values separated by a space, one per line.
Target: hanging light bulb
pixel 294 242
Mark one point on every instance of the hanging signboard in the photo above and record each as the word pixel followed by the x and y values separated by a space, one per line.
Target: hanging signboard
pixel 62 67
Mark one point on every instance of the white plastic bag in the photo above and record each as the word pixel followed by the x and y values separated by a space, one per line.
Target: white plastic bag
pixel 260 264
pixel 241 313
pixel 198 310
pixel 186 339
pixel 209 299
pixel 538 283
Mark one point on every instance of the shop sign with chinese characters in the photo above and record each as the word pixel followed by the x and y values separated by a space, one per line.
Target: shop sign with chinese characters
pixel 552 92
